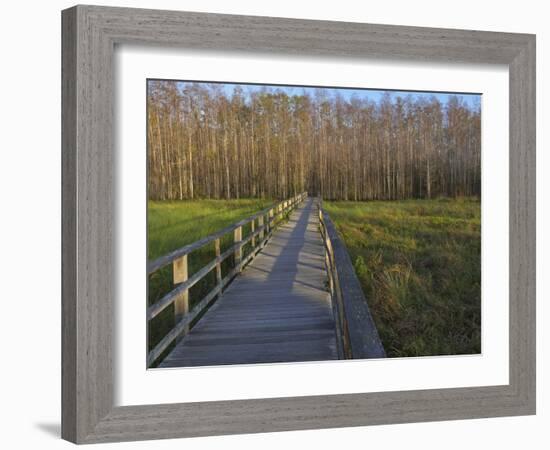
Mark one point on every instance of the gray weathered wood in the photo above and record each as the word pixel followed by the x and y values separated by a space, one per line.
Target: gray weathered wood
pixel 156 308
pixel 277 310
pixel 158 263
pixel 70 262
pixel 238 255
pixel 182 326
pixel 179 270
pixel 261 227
pixel 181 275
pixel 90 34
pixel 356 327
pixel 217 249
pixel 252 229
pixel 180 294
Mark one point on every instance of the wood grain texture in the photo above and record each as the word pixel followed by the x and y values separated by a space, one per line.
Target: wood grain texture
pixel 360 339
pixel 522 224
pixel 180 294
pixel 162 261
pixel 89 200
pixel 68 250
pixel 277 310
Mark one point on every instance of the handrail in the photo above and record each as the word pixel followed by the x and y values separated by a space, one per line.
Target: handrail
pixel 164 260
pixel 267 220
pixel 355 326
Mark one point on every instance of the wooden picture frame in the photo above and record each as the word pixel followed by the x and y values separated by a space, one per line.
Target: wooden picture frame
pixel 90 34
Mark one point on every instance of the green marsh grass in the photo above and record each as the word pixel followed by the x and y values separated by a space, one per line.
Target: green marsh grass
pixel 419 263
pixel 173 224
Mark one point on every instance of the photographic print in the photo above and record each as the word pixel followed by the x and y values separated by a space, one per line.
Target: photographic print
pixel 311 223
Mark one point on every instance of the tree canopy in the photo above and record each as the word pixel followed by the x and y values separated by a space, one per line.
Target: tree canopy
pixel 206 143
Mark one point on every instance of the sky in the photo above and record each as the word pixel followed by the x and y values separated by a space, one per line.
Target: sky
pixel 471 100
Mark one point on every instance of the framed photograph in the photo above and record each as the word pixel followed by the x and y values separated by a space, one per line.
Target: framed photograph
pixel 278 224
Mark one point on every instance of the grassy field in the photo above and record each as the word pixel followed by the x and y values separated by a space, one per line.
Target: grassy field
pixel 173 224
pixel 419 262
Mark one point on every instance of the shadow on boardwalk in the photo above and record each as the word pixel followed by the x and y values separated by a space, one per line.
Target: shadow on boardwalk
pixel 277 310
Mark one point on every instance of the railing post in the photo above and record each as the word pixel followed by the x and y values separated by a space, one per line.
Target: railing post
pixel 262 229
pixel 180 275
pixel 237 238
pixel 252 228
pixel 330 268
pixel 218 264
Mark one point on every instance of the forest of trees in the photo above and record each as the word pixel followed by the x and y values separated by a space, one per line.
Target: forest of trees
pixel 206 143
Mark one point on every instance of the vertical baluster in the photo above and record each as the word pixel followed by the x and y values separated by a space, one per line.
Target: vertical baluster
pixel 262 229
pixel 252 228
pixel 218 265
pixel 328 259
pixel 180 275
pixel 237 238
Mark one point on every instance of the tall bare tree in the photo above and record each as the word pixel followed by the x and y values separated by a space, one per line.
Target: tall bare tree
pixel 204 142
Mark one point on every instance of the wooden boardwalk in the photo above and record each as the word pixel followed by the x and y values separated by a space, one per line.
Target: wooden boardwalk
pixel 277 310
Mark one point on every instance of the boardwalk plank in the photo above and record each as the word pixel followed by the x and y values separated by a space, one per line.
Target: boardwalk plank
pixel 277 310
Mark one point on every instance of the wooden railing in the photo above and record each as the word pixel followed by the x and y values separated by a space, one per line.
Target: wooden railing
pixel 356 331
pixel 262 225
